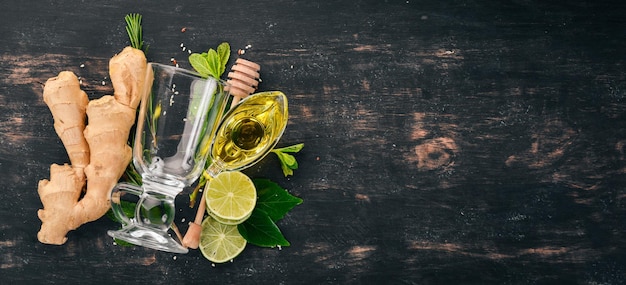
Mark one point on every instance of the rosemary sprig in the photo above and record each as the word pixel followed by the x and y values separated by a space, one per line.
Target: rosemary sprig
pixel 134 30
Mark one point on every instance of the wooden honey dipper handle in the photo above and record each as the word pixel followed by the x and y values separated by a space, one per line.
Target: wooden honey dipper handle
pixel 243 80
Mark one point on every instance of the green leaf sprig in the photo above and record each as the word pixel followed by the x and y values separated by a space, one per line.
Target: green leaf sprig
pixel 134 30
pixel 273 203
pixel 288 162
pixel 211 63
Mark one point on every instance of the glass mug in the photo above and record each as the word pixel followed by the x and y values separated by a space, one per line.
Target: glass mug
pixel 178 117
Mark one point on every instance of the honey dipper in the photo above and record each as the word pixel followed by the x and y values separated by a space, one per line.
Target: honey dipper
pixel 243 80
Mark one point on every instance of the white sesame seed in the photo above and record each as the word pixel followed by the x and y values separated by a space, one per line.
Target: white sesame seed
pixel 182 45
pixel 82 65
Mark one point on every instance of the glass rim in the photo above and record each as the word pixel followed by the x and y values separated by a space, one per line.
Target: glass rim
pixel 187 72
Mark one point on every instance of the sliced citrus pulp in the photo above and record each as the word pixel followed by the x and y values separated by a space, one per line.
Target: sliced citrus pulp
pixel 219 242
pixel 230 197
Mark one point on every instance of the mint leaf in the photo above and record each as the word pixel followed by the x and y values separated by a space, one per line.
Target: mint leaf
pixel 273 199
pixel 292 148
pixel 200 64
pixel 211 63
pixel 260 230
pixel 287 161
pixel 223 53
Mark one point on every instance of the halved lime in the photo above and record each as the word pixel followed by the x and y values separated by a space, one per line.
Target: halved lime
pixel 220 243
pixel 230 196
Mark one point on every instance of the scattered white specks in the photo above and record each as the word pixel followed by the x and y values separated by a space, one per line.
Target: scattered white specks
pixel 182 45
pixel 280 247
pixel 103 83
pixel 189 51
pixel 248 46
pixel 174 257
pixel 183 219
pixel 82 65
pixel 212 264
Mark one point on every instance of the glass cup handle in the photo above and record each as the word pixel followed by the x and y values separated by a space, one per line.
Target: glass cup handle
pixel 118 191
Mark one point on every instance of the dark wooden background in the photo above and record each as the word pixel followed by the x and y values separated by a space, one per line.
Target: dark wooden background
pixel 447 142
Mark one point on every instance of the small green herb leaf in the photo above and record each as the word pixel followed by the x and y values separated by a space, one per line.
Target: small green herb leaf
pixel 291 148
pixel 211 63
pixel 288 162
pixel 200 64
pixel 260 230
pixel 273 199
pixel 223 52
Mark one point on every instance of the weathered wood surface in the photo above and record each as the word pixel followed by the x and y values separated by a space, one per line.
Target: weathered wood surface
pixel 447 142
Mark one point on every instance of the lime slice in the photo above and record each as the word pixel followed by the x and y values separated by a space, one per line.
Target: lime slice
pixel 227 221
pixel 230 196
pixel 220 243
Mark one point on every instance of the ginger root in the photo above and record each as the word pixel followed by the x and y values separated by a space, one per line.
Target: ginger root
pixel 99 152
